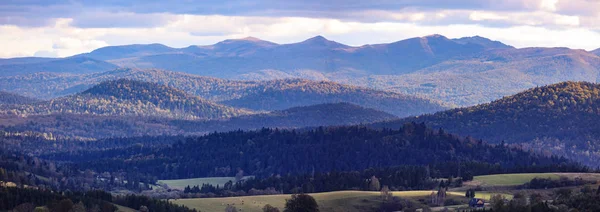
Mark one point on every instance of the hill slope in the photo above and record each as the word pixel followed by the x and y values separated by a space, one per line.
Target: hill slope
pixel 330 114
pixel 561 118
pixel 87 126
pixel 127 97
pixel 259 95
pixel 266 152
pixel 281 94
pixel 11 98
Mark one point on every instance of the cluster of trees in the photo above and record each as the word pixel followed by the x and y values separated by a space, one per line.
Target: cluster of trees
pixel 23 170
pixel 66 126
pixel 586 199
pixel 297 203
pixel 269 152
pixel 35 143
pixel 560 119
pixel 28 199
pixel 395 178
pixel 545 183
pixel 323 159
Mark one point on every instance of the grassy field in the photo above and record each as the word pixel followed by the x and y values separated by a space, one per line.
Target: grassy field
pixel 121 208
pixel 181 184
pixel 520 179
pixel 346 201
pixel 511 179
pixel 349 201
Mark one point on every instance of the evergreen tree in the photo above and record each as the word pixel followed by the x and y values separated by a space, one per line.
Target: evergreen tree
pixel 301 203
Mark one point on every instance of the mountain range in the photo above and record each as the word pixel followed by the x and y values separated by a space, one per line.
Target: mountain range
pixel 461 72
pixel 134 108
pixel 256 95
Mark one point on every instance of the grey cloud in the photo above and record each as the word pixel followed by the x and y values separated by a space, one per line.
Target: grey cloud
pixel 150 13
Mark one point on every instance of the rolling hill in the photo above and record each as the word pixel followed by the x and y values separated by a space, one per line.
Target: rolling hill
pixel 131 98
pixel 559 118
pixel 281 94
pixel 89 126
pixel 460 71
pixel 256 95
pixel 331 114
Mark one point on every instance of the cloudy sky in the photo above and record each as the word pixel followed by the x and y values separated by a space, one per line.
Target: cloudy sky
pixel 67 27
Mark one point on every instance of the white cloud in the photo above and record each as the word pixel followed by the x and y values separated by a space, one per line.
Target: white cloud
pixel 535 28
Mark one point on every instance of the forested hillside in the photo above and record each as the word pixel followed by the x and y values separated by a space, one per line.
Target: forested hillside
pixel 130 98
pixel 282 94
pixel 11 98
pixel 87 126
pixel 267 151
pixel 258 95
pixel 298 117
pixel 561 118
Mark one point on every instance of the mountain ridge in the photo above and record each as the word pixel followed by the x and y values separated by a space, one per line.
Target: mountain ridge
pixel 558 118
pixel 233 92
pixel 423 66
pixel 131 98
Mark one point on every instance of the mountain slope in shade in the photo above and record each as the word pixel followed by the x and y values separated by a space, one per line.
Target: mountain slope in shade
pixel 77 65
pixel 131 98
pixel 331 114
pixel 11 98
pixel 562 118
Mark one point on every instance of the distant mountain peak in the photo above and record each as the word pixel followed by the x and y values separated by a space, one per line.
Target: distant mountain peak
pixel 483 41
pixel 250 38
pixel 434 36
pixel 245 41
pixel 322 41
